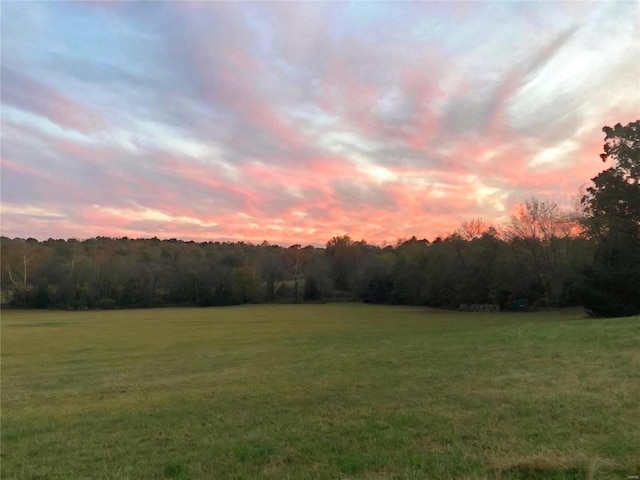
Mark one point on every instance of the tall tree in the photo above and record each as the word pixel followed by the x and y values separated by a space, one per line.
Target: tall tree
pixel 342 253
pixel 297 259
pixel 612 219
pixel 613 202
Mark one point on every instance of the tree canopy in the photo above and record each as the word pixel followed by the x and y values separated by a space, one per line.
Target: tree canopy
pixel 611 286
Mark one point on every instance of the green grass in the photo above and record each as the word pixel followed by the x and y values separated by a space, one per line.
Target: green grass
pixel 318 392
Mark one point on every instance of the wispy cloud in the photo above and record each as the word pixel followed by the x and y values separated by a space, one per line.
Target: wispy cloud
pixel 294 122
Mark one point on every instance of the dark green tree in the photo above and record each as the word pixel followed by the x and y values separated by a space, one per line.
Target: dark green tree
pixel 311 290
pixel 612 219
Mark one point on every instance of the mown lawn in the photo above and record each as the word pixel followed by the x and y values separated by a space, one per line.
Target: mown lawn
pixel 318 392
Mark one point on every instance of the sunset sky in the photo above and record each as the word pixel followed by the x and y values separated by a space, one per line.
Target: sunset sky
pixel 295 122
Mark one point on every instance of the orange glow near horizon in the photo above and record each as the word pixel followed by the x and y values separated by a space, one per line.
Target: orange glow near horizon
pixel 294 123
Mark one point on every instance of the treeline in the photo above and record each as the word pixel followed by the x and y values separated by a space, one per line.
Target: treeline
pixel 544 255
pixel 538 255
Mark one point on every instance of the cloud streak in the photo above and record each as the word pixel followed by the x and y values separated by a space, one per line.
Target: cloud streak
pixel 297 122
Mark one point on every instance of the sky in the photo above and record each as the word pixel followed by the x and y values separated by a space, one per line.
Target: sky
pixel 295 122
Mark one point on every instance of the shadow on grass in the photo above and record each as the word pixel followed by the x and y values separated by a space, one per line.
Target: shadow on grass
pixel 530 472
pixel 254 452
pixel 175 470
pixel 39 324
pixel 357 463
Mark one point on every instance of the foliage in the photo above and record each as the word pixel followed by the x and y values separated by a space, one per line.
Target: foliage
pixel 612 219
pixel 544 235
pixel 613 202
pixel 311 290
pixel 105 273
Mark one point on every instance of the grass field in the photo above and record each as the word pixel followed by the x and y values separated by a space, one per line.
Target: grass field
pixel 318 392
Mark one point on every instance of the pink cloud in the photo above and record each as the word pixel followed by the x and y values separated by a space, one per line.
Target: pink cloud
pixel 231 82
pixel 425 123
pixel 27 93
pixel 48 180
pixel 23 169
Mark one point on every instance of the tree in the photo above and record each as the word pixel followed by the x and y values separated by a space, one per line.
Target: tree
pixel 343 260
pixel 544 232
pixel 245 285
pixel 612 219
pixel 272 270
pixel 22 260
pixel 473 229
pixel 613 202
pixel 311 290
pixel 298 260
pixel 320 270
pixel 409 272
